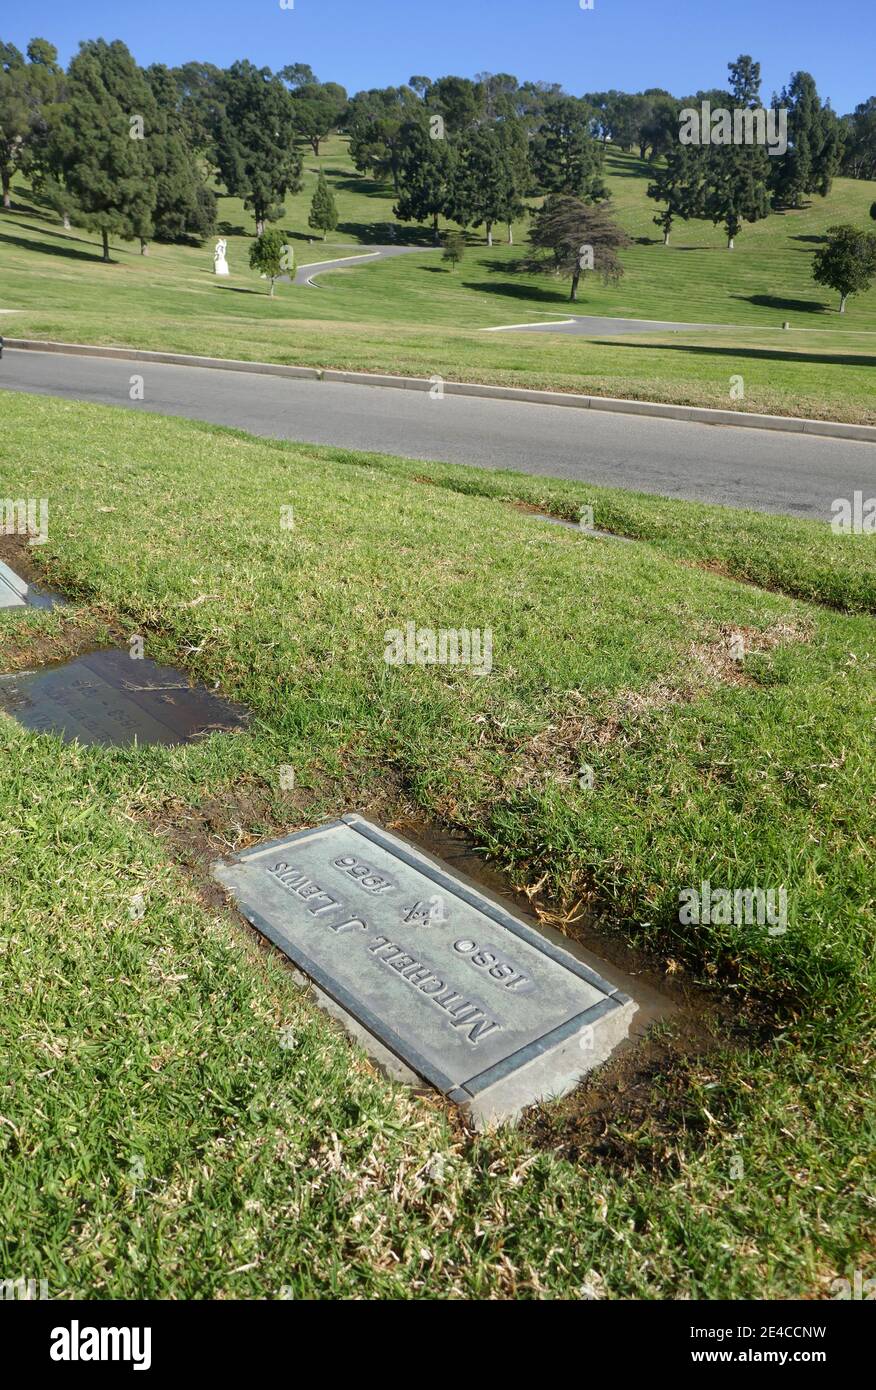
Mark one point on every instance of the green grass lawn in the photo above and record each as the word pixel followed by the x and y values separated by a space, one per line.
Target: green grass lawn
pixel 177 1118
pixel 412 316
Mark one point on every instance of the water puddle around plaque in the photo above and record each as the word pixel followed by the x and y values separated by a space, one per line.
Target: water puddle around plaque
pixel 105 697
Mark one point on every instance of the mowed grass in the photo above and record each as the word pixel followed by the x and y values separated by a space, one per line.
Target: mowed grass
pixel 179 1121
pixel 412 316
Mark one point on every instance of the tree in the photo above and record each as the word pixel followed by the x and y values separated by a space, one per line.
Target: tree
pixel 565 157
pixel 815 143
pixel 98 143
pixel 270 255
pixel 424 169
pixel 745 81
pixel 847 263
pixel 323 212
pixel 317 107
pixel 569 237
pixel 254 133
pixel 14 116
pixel 374 121
pixel 184 206
pixel 198 86
pixel 458 100
pixel 679 184
pixel 735 186
pixel 27 91
pixel 490 177
pixel 454 249
pixel 859 153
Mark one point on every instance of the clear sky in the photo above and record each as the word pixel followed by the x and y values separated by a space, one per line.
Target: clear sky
pixel 629 44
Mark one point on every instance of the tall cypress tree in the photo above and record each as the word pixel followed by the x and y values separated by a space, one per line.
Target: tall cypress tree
pixel 815 144
pixel 323 212
pixel 736 176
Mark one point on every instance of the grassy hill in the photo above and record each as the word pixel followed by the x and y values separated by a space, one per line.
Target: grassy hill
pixel 412 315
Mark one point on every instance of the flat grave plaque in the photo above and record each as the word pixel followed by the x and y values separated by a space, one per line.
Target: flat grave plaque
pixel 108 698
pixel 15 592
pixel 415 960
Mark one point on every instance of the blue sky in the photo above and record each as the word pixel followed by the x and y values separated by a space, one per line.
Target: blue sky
pixel 629 44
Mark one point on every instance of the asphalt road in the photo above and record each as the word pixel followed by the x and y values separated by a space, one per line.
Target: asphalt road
pixel 762 469
pixel 305 274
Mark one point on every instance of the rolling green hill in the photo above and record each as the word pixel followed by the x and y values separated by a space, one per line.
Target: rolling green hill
pixel 410 315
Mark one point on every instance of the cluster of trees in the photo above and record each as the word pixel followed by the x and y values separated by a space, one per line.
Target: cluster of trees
pixel 474 150
pixel 102 142
pixel 731 184
pixel 130 152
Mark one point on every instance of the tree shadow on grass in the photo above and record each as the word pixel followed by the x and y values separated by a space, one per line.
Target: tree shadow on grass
pixel 377 234
pixel 772 301
pixel 826 359
pixel 365 188
pixel 238 289
pixel 508 290
pixel 71 252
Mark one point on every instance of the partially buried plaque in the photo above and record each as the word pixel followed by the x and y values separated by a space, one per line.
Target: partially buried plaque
pixel 428 971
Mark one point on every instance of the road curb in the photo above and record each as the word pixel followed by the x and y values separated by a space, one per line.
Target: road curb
pixel 701 415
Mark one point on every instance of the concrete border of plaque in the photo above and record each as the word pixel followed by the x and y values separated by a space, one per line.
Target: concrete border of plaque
pixel 15 592
pixel 439 982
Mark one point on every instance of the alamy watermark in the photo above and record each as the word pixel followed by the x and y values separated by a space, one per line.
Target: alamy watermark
pixel 740 907
pixel 744 125
pixel 25 517
pixel 23 1290
pixel 853 517
pixel 446 646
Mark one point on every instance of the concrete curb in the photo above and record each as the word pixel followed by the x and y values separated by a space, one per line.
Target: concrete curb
pixel 697 414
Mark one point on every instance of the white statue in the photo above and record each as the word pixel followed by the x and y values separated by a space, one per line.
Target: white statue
pixel 220 265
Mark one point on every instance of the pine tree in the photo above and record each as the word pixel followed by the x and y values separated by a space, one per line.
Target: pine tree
pixel 454 249
pixel 566 158
pixel 98 151
pixel 184 206
pixel 424 169
pixel 815 144
pixel 27 91
pixel 679 184
pixel 254 135
pixel 323 212
pixel 735 186
pixel 490 177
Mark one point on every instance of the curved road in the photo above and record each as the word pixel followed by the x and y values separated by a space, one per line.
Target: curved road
pixel 304 275
pixel 767 470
